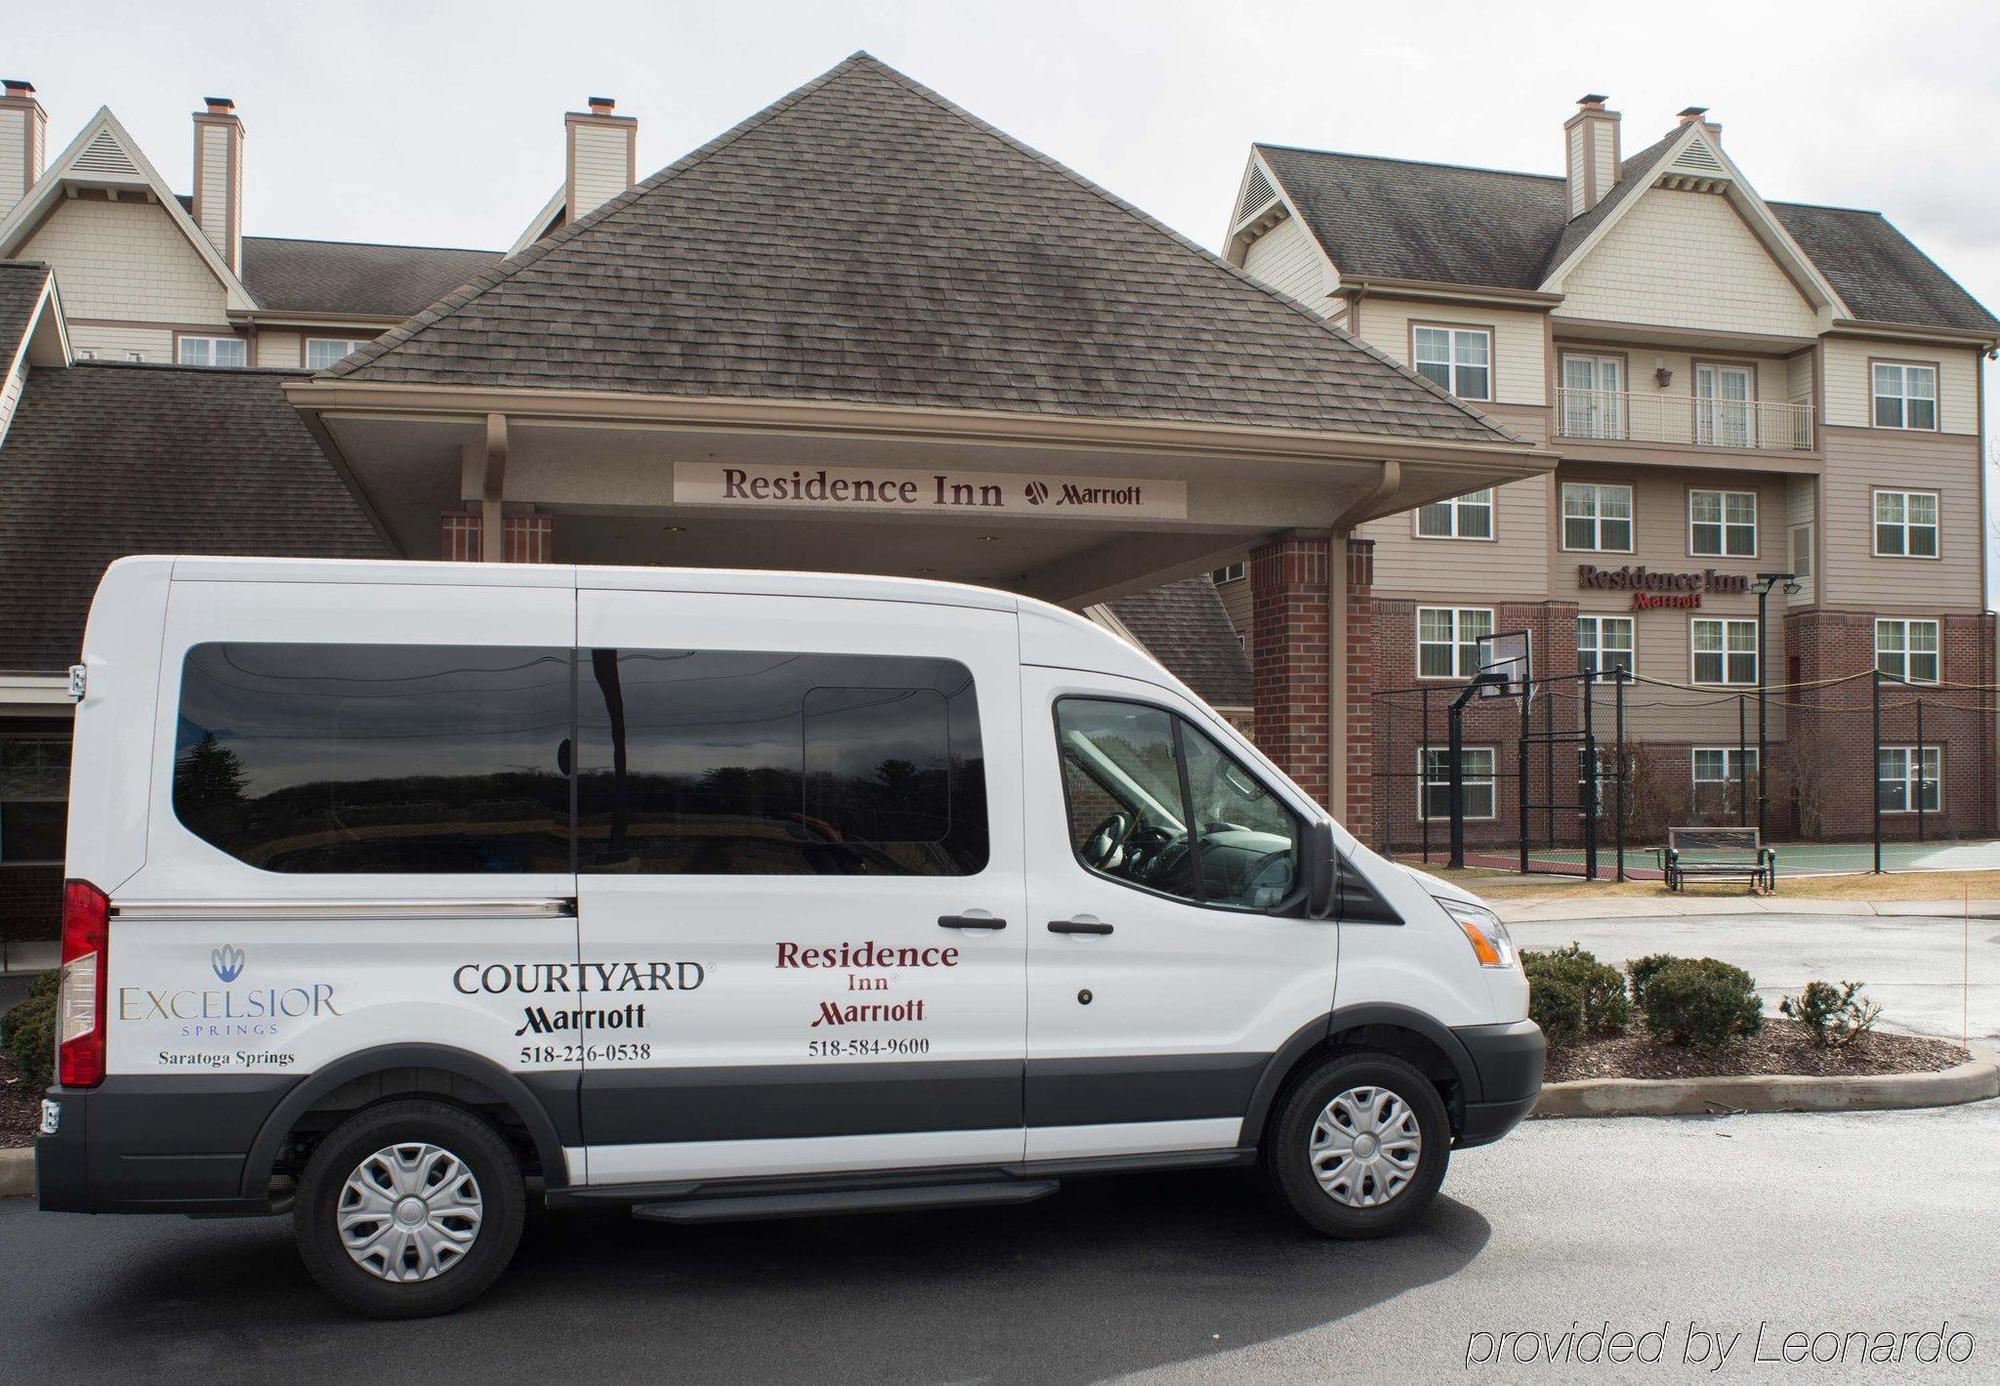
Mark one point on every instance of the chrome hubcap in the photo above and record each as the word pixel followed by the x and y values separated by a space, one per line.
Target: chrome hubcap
pixel 409 1212
pixel 1365 1147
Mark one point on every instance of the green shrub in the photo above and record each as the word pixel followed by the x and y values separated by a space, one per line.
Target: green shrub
pixel 1598 987
pixel 1833 1015
pixel 1701 1002
pixel 1641 971
pixel 29 1032
pixel 1556 1004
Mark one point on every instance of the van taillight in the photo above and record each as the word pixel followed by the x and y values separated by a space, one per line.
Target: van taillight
pixel 80 1012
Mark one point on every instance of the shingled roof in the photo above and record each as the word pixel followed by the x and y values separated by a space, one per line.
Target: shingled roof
pixel 390 281
pixel 1400 219
pixel 21 283
pixel 863 239
pixel 1185 626
pixel 106 459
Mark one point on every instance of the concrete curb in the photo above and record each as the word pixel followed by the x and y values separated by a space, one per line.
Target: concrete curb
pixel 17 1172
pixel 1972 1081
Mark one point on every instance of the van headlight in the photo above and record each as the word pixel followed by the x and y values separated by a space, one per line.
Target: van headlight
pixel 1491 943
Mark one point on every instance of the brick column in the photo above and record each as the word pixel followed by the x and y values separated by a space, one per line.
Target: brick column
pixel 1358 813
pixel 1290 625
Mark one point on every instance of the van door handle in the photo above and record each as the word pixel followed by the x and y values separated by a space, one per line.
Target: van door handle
pixel 1079 926
pixel 970 921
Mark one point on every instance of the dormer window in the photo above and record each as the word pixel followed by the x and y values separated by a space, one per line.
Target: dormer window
pixel 1458 359
pixel 212 351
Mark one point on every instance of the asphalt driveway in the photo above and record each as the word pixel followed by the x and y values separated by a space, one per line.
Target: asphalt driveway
pixel 1873 1222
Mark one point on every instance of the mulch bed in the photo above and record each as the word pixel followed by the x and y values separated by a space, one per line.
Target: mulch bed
pixel 20 1108
pixel 1780 1047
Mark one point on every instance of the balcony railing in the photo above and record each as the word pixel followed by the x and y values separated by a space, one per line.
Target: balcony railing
pixel 1624 417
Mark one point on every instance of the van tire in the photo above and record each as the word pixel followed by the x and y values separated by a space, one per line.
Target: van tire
pixel 410 1124
pixel 1402 1093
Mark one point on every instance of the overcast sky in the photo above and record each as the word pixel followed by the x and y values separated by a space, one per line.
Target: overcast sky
pixel 442 123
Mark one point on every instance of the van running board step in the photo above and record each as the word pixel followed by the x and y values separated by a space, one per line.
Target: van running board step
pixel 809 1205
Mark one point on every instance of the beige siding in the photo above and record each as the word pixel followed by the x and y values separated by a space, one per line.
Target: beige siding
pixel 1850 384
pixel 1236 601
pixel 1801 505
pixel 10 392
pixel 1857 462
pixel 1514 564
pixel 1519 360
pixel 600 170
pixel 114 343
pixel 1799 378
pixel 280 349
pixel 1682 259
pixel 1603 167
pixel 1288 259
pixel 215 186
pixel 13 159
pixel 1575 169
pixel 126 261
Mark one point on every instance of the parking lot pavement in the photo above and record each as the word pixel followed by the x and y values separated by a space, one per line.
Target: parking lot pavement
pixel 1873 1222
pixel 1915 966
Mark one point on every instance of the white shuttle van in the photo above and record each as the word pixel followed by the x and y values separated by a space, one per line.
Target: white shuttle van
pixel 401 893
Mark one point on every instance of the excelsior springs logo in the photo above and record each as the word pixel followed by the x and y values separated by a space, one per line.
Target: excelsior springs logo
pixel 227 1011
pixel 227 962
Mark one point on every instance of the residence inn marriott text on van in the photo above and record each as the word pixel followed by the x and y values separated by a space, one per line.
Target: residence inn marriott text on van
pixel 864 331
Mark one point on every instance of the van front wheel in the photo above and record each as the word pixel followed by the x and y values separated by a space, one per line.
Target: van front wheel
pixel 409 1208
pixel 1360 1146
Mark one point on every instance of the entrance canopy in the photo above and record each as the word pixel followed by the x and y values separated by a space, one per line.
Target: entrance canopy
pixel 863 331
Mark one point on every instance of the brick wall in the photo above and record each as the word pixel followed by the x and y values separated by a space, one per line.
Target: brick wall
pixel 1358 813
pixel 1291 633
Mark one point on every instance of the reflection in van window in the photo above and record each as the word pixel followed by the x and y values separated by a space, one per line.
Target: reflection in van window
pixel 730 762
pixel 376 758
pixel 1154 802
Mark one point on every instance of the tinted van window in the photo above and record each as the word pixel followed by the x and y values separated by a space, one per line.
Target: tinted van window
pixel 725 762
pixel 376 758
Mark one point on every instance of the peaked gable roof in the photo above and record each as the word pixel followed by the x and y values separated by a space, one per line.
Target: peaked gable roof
pixel 104 154
pixel 863 239
pixel 1403 219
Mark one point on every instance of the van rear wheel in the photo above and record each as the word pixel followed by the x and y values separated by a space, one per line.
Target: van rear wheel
pixel 410 1208
pixel 1360 1145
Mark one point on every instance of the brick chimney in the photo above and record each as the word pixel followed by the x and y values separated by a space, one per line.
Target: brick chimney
pixel 218 178
pixel 1590 147
pixel 24 142
pixel 1698 115
pixel 601 157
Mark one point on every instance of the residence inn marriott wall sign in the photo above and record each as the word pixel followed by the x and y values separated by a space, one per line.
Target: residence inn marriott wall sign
pixel 878 490
pixel 1650 589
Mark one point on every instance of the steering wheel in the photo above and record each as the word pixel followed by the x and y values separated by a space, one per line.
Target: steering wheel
pixel 1102 845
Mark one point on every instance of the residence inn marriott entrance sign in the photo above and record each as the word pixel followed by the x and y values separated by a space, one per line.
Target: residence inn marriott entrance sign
pixel 865 332
pixel 862 489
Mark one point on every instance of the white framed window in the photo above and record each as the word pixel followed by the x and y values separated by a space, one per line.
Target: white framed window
pixel 1597 517
pixel 1448 640
pixel 1907 650
pixel 1460 359
pixel 1906 776
pixel 1462 517
pixel 85 354
pixel 1724 404
pixel 1228 572
pixel 1593 396
pixel 1802 551
pixel 1725 651
pixel 1723 765
pixel 1906 524
pixel 322 352
pixel 1722 524
pixel 1434 764
pixel 1604 643
pixel 212 351
pixel 1905 395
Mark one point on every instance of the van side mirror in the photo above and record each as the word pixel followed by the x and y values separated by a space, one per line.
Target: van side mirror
pixel 563 758
pixel 1314 888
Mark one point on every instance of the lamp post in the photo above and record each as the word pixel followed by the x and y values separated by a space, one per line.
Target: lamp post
pixel 1765 582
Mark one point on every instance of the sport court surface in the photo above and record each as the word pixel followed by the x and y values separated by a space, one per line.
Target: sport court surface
pixel 1794 858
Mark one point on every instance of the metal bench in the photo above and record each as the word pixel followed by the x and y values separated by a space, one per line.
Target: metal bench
pixel 1718 854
